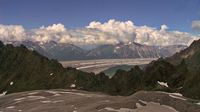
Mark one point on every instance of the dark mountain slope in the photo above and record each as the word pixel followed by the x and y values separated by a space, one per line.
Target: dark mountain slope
pixel 167 51
pixel 32 46
pixel 191 55
pixel 22 70
pixel 61 51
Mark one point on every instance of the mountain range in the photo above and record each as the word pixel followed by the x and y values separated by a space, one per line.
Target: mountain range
pixel 65 51
pixel 22 69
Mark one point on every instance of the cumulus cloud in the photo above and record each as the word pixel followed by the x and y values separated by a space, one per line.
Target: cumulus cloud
pixel 127 31
pixel 196 25
pixel 96 33
pixel 164 27
pixel 12 33
pixel 152 36
pixel 115 31
pixel 56 32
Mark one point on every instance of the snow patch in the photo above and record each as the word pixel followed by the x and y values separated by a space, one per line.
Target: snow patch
pixel 19 99
pixel 139 54
pixel 143 101
pixel 80 94
pixel 31 49
pixel 35 97
pixel 48 101
pixel 117 47
pixel 10 107
pixel 33 93
pixel 54 93
pixel 58 101
pixel 154 106
pixel 119 110
pixel 162 84
pixel 4 93
pixel 177 97
pixel 177 94
pixel 72 85
pixel 11 83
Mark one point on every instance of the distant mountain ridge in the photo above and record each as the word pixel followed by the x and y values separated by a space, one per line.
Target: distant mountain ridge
pixel 130 50
pixel 190 55
pixel 63 52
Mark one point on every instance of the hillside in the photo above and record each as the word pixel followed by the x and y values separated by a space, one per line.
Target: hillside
pixel 22 69
pixel 191 56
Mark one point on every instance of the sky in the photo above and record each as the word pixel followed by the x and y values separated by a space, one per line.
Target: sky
pixel 150 22
pixel 176 14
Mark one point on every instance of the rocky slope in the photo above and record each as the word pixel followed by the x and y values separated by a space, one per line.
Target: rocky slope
pixel 81 101
pixel 191 56
pixel 167 51
pixel 131 50
pixel 64 51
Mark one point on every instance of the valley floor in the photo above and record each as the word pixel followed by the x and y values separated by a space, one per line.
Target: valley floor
pixel 99 65
pixel 82 101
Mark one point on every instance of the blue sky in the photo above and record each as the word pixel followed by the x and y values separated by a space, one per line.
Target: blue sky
pixel 176 14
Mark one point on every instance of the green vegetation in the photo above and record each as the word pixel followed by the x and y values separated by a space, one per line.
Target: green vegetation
pixel 112 71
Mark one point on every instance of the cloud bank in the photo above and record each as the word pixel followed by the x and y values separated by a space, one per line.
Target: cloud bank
pixel 96 33
pixel 196 25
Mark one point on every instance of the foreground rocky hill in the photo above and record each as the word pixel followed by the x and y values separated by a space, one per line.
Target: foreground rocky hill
pixel 81 101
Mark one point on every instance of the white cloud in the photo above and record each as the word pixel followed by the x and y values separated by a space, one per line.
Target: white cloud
pixel 96 33
pixel 127 31
pixel 164 27
pixel 152 36
pixel 55 28
pixel 12 33
pixel 196 25
pixel 56 32
pixel 115 31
